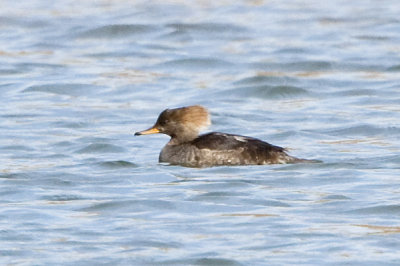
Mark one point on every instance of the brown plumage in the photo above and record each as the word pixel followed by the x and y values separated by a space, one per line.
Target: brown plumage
pixel 187 148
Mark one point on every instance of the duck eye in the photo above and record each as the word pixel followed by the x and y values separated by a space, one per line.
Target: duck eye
pixel 163 122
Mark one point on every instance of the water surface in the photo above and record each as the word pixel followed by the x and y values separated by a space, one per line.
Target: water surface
pixel 78 79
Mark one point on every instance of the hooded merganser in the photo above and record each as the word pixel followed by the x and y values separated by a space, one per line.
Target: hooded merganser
pixel 187 148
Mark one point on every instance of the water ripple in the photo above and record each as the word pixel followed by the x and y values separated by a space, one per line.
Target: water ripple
pixel 117 31
pixel 63 89
pixel 117 164
pixel 270 92
pixel 101 148
pixel 196 63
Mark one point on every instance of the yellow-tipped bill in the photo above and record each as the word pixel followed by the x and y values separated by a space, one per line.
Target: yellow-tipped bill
pixel 152 130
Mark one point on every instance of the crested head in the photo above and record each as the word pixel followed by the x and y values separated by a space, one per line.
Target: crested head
pixel 182 124
pixel 195 116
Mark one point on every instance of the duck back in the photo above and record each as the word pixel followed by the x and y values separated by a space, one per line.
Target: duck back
pixel 216 148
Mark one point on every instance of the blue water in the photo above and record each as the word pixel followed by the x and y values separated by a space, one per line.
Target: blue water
pixel 77 79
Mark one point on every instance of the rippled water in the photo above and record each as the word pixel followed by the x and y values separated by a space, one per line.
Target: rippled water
pixel 78 78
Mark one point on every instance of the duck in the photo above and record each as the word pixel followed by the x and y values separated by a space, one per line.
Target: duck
pixel 187 148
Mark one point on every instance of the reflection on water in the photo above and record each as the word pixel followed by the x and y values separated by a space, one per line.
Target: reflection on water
pixel 318 78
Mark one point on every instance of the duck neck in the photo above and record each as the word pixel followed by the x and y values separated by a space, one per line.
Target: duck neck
pixel 184 138
pixel 182 133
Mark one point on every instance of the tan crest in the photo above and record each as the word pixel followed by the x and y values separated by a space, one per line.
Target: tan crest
pixel 195 116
